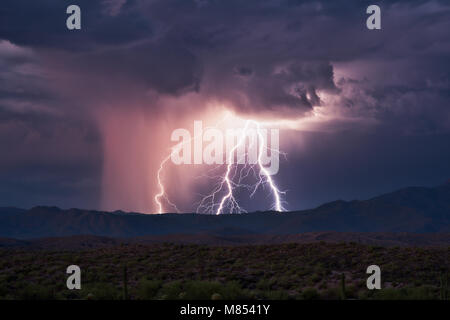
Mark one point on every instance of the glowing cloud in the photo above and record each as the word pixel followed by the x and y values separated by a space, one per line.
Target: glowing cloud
pixel 233 177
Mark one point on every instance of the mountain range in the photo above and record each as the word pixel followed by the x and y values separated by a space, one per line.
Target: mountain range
pixel 410 210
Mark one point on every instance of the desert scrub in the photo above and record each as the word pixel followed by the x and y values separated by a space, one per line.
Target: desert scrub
pixel 411 293
pixel 310 294
pixel 101 291
pixel 170 290
pixel 148 289
pixel 203 290
pixel 265 284
pixel 36 292
pixel 276 295
pixel 257 270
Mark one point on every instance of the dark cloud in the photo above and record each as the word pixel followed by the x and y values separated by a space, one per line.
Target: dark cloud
pixel 43 24
pixel 151 66
pixel 279 57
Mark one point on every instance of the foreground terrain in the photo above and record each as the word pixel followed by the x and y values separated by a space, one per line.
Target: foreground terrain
pixel 187 271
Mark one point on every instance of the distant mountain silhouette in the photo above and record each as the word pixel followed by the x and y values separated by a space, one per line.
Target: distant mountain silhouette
pixel 414 209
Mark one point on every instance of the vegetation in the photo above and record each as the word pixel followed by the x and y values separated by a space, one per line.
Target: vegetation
pixel 174 271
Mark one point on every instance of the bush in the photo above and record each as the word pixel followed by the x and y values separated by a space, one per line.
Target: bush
pixel 233 291
pixel 315 278
pixel 36 292
pixel 332 294
pixel 216 296
pixel 201 290
pixel 265 284
pixel 148 289
pixel 196 290
pixel 414 293
pixel 171 290
pixel 310 294
pixel 101 291
pixel 276 295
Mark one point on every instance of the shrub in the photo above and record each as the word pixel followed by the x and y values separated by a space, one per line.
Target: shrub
pixel 315 278
pixel 147 289
pixel 233 291
pixel 332 294
pixel 216 296
pixel 265 284
pixel 201 290
pixel 171 290
pixel 310 294
pixel 101 291
pixel 36 292
pixel 276 295
pixel 413 293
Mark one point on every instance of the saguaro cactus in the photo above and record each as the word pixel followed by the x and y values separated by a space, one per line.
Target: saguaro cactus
pixel 125 283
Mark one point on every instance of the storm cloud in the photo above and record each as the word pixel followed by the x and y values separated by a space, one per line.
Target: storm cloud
pixel 277 58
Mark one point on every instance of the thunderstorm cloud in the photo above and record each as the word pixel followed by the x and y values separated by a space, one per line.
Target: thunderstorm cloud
pixel 386 92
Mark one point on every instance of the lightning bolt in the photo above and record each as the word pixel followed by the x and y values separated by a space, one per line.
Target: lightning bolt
pixel 231 180
pixel 227 181
pixel 275 191
pixel 162 193
pixel 263 176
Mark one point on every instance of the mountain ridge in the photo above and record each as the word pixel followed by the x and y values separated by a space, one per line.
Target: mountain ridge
pixel 412 209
